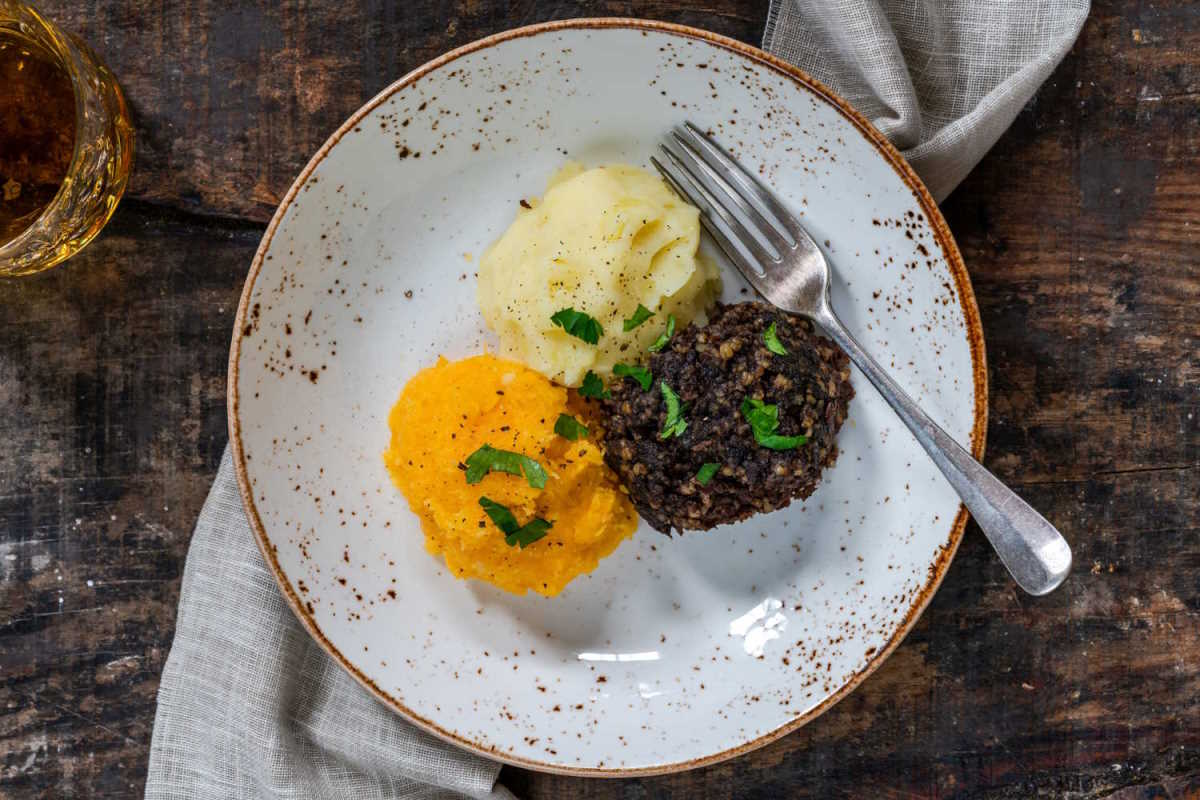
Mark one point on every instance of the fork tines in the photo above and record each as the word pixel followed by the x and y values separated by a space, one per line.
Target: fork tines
pixel 744 218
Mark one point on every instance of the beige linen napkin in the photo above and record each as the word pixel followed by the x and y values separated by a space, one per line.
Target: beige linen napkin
pixel 941 78
pixel 250 707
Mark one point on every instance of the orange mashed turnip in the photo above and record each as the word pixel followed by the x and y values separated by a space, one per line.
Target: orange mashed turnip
pixel 444 414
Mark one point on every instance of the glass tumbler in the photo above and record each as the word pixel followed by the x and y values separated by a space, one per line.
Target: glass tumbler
pixel 66 142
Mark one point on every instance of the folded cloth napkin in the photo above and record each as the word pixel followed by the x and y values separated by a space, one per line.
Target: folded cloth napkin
pixel 942 79
pixel 250 707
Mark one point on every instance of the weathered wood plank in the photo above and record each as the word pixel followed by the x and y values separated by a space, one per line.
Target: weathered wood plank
pixel 112 401
pixel 231 100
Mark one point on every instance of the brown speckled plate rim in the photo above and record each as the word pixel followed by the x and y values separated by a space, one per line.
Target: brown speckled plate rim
pixel 967 302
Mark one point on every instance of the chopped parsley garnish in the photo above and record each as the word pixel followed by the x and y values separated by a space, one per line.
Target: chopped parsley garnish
pixel 665 336
pixel 593 387
pixel 771 338
pixel 500 515
pixel 578 324
pixel 764 421
pixel 706 472
pixel 528 533
pixel 675 424
pixel 515 533
pixel 639 316
pixel 570 428
pixel 639 374
pixel 488 459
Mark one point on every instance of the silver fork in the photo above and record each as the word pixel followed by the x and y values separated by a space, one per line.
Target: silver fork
pixel 794 275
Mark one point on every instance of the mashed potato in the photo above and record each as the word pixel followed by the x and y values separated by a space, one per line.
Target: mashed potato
pixel 601 241
pixel 446 413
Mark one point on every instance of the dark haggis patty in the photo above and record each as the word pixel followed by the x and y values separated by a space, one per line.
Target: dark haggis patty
pixel 713 369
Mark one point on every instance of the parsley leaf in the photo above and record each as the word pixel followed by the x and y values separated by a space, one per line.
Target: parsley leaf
pixel 570 428
pixel 639 316
pixel 772 341
pixel 488 459
pixel 593 387
pixel 664 337
pixel 500 515
pixel 578 324
pixel 514 533
pixel 763 418
pixel 776 441
pixel 764 421
pixel 639 374
pixel 706 473
pixel 675 424
pixel 528 533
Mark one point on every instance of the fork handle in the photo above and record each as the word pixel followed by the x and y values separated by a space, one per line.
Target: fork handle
pixel 1035 553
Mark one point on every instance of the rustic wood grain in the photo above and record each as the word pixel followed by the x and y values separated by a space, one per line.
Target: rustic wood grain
pixel 1081 234
pixel 232 99
pixel 112 396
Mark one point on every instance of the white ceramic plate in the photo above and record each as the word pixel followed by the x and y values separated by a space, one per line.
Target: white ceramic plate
pixel 674 653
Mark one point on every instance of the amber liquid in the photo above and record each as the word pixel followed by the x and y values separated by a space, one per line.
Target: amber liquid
pixel 37 132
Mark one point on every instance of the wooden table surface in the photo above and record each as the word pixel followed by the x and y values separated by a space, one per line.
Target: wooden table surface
pixel 1081 233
